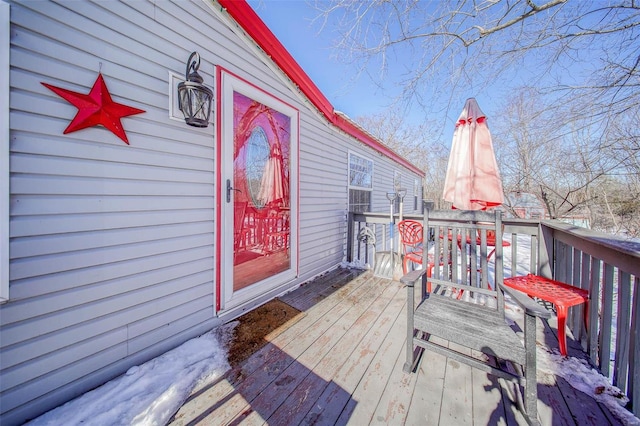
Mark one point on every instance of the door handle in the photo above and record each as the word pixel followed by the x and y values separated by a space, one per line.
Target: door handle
pixel 229 189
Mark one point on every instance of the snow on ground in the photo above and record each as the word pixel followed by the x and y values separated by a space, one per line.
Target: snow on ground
pixel 149 394
pixel 579 374
pixel 587 379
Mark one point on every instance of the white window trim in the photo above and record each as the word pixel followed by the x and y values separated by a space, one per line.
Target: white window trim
pixel 5 33
pixel 373 165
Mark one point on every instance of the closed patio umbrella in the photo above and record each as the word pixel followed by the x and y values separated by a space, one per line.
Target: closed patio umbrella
pixel 273 186
pixel 473 180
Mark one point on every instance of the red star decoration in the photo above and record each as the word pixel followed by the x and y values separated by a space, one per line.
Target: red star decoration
pixel 96 108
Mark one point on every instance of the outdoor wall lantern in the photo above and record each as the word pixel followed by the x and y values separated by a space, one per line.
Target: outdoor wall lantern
pixel 194 98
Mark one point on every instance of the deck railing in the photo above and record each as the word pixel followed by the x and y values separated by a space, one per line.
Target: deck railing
pixel 607 266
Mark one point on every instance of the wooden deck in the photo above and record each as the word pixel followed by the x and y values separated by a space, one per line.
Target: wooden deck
pixel 340 362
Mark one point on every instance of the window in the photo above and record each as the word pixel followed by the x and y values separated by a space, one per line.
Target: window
pixel 4 151
pixel 416 193
pixel 360 183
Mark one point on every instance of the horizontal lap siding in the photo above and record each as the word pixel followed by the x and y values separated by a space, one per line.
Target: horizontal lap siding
pixel 112 245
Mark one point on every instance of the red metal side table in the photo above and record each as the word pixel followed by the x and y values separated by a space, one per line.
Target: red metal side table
pixel 562 295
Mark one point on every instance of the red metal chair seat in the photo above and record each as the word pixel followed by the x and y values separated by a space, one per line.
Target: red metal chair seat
pixel 562 295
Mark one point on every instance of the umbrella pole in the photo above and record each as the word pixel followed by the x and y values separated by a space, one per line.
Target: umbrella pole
pixel 391 236
pixel 391 196
pixel 402 192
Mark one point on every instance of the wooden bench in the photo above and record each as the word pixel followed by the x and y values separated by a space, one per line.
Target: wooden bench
pixel 477 320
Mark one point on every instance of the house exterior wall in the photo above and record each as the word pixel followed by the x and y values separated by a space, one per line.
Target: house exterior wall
pixel 112 246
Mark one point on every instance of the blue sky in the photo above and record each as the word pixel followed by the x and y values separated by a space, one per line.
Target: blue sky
pixel 291 22
pixel 445 93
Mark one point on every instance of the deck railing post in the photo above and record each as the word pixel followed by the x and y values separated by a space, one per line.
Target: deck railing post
pixel 350 227
pixel 594 310
pixel 606 317
pixel 408 364
pixel 545 251
pixel 585 283
pixel 531 389
pixel 621 368
pixel 634 350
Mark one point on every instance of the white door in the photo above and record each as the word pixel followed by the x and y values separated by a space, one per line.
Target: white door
pixel 259 149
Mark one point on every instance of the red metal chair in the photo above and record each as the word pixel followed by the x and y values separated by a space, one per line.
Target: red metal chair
pixel 411 233
pixel 411 236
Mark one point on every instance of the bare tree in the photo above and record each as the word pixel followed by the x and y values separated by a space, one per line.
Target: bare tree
pixel 620 197
pixel 415 142
pixel 586 48
pixel 566 136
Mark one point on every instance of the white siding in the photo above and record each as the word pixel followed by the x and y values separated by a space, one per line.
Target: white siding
pixel 112 248
pixel 4 151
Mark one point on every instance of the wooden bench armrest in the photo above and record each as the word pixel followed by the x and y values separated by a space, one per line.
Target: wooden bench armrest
pixel 528 304
pixel 410 278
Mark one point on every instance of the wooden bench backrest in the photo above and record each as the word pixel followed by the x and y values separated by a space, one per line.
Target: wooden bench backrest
pixel 463 240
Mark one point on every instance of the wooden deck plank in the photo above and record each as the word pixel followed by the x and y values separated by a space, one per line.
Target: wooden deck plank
pixel 512 415
pixel 394 403
pixel 552 407
pixel 270 357
pixel 305 365
pixel 376 376
pixel 427 396
pixel 338 393
pixel 270 373
pixel 581 408
pixel 341 363
pixel 488 405
pixel 457 406
pixel 295 408
pixel 309 294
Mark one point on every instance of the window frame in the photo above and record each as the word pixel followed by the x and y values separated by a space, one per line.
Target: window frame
pixel 351 187
pixel 5 31
pixel 351 155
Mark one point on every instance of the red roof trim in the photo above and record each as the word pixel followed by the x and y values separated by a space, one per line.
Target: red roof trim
pixel 247 18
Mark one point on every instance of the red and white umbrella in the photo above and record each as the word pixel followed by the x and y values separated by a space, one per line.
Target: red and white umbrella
pixel 273 186
pixel 473 179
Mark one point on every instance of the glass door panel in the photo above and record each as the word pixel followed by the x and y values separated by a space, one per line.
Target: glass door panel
pixel 262 198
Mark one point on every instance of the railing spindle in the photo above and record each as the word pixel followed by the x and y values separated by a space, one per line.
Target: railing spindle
pixel 594 310
pixel 606 320
pixel 622 331
pixel 634 349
